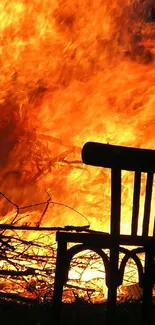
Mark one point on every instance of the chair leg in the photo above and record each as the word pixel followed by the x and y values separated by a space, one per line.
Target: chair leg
pixel 147 303
pixel 111 307
pixel 112 288
pixel 147 286
pixel 60 277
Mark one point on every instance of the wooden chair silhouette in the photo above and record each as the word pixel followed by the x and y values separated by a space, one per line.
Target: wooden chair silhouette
pixel 116 158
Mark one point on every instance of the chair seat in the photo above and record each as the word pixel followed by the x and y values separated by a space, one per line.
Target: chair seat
pixel 104 240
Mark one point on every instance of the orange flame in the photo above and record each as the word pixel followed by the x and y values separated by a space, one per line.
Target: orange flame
pixel 71 72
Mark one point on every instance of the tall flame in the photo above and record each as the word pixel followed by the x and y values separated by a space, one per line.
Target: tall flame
pixel 71 72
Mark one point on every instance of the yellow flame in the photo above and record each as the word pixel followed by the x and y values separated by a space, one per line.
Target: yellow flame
pixel 71 71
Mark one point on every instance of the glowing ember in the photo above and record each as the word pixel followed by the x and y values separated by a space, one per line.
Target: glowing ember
pixel 71 72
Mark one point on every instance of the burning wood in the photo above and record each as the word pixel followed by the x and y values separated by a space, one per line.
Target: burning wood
pixel 28 265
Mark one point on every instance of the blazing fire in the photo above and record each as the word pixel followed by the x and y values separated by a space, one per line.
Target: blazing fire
pixel 71 72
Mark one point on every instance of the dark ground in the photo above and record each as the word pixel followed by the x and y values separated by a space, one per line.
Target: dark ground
pixel 80 313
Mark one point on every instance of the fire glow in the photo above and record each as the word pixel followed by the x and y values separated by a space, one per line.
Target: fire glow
pixel 69 74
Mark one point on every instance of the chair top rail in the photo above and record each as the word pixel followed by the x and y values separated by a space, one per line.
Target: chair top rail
pixel 113 156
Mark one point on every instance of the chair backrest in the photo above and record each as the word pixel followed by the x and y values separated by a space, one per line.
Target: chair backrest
pixel 119 158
